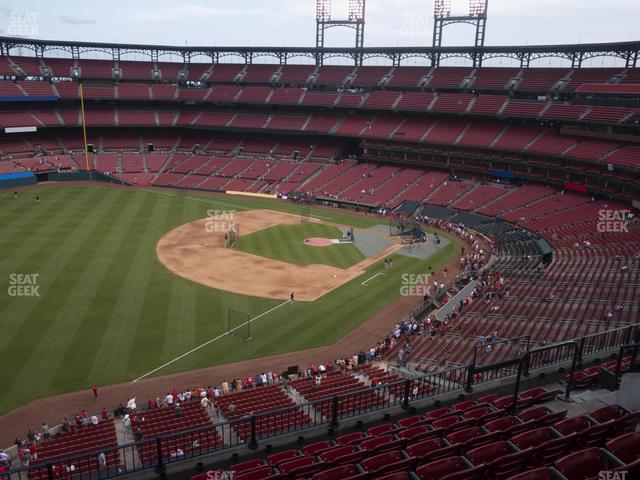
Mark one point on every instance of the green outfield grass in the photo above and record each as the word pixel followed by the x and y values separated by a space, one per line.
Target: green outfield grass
pixel 108 311
pixel 286 243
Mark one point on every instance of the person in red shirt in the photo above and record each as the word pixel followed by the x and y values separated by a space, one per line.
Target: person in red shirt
pixel 149 403
pixel 33 451
pixel 105 414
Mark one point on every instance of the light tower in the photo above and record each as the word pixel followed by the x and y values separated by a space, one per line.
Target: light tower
pixel 442 17
pixel 354 20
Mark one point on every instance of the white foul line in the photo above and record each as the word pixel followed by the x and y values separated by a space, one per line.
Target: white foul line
pixel 365 282
pixel 211 341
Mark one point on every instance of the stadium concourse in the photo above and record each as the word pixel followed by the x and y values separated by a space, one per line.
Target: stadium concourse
pixel 534 170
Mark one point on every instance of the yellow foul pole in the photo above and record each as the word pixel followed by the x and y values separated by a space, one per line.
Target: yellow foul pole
pixel 84 131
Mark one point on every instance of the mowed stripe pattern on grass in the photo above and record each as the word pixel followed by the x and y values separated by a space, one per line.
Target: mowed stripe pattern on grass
pixel 109 311
pixel 286 243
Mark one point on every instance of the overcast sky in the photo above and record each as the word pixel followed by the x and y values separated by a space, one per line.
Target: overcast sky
pixel 292 22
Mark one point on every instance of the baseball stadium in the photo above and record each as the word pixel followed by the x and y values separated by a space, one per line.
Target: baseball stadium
pixel 319 262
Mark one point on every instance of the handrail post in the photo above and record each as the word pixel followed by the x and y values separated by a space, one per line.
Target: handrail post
pixel 580 352
pixel 516 391
pixel 334 412
pixel 574 362
pixel 159 454
pixel 405 402
pixel 253 444
pixel 471 371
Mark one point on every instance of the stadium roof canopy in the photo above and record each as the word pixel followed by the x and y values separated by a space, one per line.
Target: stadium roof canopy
pixel 628 52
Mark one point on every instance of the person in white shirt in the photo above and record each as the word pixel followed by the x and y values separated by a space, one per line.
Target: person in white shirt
pixel 94 420
pixel 169 399
pixel 204 403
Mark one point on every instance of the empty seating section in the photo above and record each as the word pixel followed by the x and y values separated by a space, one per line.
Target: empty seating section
pixel 324 99
pixel 295 74
pixel 407 76
pixel 353 125
pixel 133 91
pixel 381 127
pixel 547 205
pixel 102 69
pixel 224 93
pixel 163 92
pixel 494 78
pixel 390 194
pixel 349 100
pixel 481 195
pixel 327 175
pixel 607 114
pixel 254 94
pixel 445 131
pixel 78 441
pixel 334 75
pixel 590 75
pixel 170 70
pixel 363 190
pixel 450 77
pixel 36 88
pixel 448 192
pixel 523 109
pixel 225 72
pixel 452 102
pixel 192 94
pixel 286 96
pixel 415 101
pixel 245 120
pixel 287 122
pixel 517 137
pixel 516 198
pixel 381 99
pixel 590 149
pixel 412 129
pixel 256 400
pixel 135 70
pixel 565 112
pixel 165 420
pixel 259 73
pixel 334 187
pixel 129 117
pixel 541 79
pixel 488 104
pixel 481 134
pixel 551 144
pixel 107 163
pixel 370 76
pixel 627 156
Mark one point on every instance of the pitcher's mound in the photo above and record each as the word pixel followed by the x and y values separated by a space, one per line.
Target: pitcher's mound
pixel 318 242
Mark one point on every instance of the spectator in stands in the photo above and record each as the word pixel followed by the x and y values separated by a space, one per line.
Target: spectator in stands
pixel 178 410
pixel 4 459
pixel 45 431
pixel 102 460
pixel 33 451
pixel 105 414
pixel 126 422
pixel 94 419
pixel 169 399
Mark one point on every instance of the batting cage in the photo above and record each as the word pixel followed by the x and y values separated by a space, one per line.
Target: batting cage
pixel 239 324
pixel 232 236
pixel 305 213
pixel 409 231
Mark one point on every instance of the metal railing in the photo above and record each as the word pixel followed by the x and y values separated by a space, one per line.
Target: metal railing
pixel 249 431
